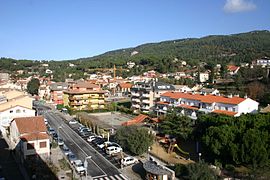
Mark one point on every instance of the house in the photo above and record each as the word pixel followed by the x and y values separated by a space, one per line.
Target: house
pixel 232 69
pixel 190 103
pixel 265 61
pixel 144 95
pixel 182 88
pixel 203 77
pixel 130 64
pixel 48 71
pixel 28 136
pixel 56 92
pixel 209 91
pixel 123 88
pixel 14 106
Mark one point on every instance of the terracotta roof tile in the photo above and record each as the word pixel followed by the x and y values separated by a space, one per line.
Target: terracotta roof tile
pixel 204 98
pixel 34 136
pixel 161 102
pixel 229 113
pixel 126 85
pixel 187 107
pixel 232 68
pixel 30 124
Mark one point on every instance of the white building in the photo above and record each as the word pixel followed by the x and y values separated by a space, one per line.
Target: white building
pixel 29 137
pixel 182 88
pixel 203 77
pixel 191 103
pixel 263 62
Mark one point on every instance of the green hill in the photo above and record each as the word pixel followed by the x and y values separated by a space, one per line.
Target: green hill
pixel 236 48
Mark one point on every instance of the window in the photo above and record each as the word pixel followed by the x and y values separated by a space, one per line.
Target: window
pixel 30 146
pixel 24 110
pixel 11 111
pixel 233 109
pixel 42 144
pixel 226 108
pixel 18 111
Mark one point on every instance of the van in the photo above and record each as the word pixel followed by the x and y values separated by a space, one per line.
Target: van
pixel 113 150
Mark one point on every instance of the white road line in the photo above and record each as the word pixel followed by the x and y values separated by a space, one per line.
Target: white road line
pixel 111 177
pixel 123 176
pixel 107 178
pixel 117 177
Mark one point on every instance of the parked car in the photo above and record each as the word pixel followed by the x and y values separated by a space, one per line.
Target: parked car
pixel 60 141
pixel 129 160
pixel 71 157
pixel 66 150
pixel 80 169
pixel 92 138
pixel 55 136
pixel 112 144
pixel 51 131
pixel 98 141
pixel 82 130
pixel 105 144
pixel 81 127
pixel 113 150
pixel 85 134
pixel 73 121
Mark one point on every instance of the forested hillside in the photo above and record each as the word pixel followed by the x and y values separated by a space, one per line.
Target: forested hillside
pixel 163 57
pixel 237 48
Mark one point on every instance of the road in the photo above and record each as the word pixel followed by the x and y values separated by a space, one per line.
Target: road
pixel 99 168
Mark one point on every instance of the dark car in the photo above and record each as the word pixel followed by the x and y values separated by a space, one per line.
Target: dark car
pixel 55 136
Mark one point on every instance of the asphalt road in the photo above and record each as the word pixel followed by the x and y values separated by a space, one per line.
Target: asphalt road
pixel 98 166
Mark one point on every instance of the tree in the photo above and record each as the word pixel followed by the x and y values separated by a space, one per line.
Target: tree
pixel 195 171
pixel 177 125
pixel 33 86
pixel 135 139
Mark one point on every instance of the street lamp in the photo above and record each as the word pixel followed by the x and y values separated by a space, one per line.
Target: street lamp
pixel 200 154
pixel 86 164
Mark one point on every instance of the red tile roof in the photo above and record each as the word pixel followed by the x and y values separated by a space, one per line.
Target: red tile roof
pixel 34 136
pixel 126 85
pixel 85 85
pixel 229 113
pixel 161 102
pixel 138 119
pixel 204 98
pixel 232 68
pixel 30 124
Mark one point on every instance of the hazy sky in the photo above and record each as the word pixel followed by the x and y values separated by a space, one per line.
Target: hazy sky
pixel 70 29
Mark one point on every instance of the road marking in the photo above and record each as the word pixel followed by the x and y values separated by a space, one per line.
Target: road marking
pixel 123 176
pixel 111 177
pixel 117 177
pixel 107 178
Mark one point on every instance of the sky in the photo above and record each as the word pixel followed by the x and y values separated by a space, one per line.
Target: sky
pixel 71 29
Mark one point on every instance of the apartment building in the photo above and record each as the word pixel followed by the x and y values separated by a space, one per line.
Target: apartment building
pixel 189 104
pixel 145 94
pixel 56 92
pixel 84 96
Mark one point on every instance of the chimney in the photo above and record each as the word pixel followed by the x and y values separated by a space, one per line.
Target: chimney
pixel 236 95
pixel 229 96
pixel 246 96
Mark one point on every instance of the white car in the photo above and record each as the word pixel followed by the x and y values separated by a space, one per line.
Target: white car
pixel 129 160
pixel 80 169
pixel 46 121
pixel 113 150
pixel 92 138
pixel 73 121
pixel 105 144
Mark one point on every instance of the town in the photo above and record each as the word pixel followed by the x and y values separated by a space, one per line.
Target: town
pixel 82 128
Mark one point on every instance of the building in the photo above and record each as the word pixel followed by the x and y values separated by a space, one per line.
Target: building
pixel 84 96
pixel 209 91
pixel 263 62
pixel 189 104
pixel 14 104
pixel 182 88
pixel 56 92
pixel 123 89
pixel 232 69
pixel 145 94
pixel 4 76
pixel 29 137
pixel 203 77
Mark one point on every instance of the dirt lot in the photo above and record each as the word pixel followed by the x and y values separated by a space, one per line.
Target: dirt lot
pixel 173 158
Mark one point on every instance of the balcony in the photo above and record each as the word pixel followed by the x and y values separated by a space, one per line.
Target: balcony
pixel 101 102
pixel 135 94
pixel 146 95
pixel 146 107
pixel 146 101
pixel 136 100
pixel 137 106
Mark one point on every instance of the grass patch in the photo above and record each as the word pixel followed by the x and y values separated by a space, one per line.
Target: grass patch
pixel 64 164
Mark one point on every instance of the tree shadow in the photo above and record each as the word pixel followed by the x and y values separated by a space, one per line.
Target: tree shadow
pixel 138 169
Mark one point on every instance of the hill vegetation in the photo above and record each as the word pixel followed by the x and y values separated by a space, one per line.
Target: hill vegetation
pixel 162 57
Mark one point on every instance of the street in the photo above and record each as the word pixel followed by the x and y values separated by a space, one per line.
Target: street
pixel 98 166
